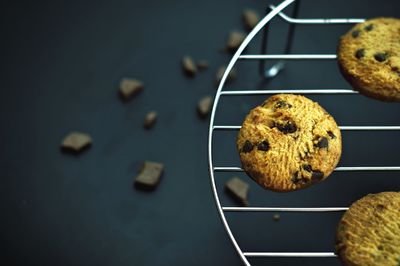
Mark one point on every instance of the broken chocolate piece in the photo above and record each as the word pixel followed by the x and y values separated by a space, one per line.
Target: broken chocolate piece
pixel 355 33
pixel 204 106
pixel 307 167
pixel 149 176
pixel 250 18
pixel 220 72
pixel 360 53
pixel 369 27
pixel 317 175
pixel 276 217
pixel 263 146
pixel 247 147
pixel 150 120
pixel 330 133
pixel 76 142
pixel 380 57
pixel 289 127
pixel 189 67
pixel 238 190
pixel 235 39
pixel 202 64
pixel 322 143
pixel 128 88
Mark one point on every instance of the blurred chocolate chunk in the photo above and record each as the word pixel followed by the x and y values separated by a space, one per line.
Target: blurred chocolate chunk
pixel 128 88
pixel 250 18
pixel 150 119
pixel 204 106
pixel 276 217
pixel 238 190
pixel 189 67
pixel 220 72
pixel 149 176
pixel 235 39
pixel 202 64
pixel 76 142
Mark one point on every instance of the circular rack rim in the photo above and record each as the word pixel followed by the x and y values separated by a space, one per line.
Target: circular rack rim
pixel 235 57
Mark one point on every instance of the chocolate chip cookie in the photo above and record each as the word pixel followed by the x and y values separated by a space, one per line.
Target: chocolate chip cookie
pixel 369 232
pixel 289 143
pixel 369 58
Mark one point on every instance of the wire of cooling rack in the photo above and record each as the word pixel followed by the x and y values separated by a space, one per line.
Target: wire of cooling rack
pixel 269 73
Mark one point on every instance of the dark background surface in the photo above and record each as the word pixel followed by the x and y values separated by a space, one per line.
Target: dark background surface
pixel 61 64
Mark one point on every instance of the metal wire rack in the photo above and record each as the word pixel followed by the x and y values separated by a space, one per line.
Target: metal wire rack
pixel 271 72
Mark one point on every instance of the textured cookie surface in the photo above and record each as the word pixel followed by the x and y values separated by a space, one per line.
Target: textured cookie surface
pixel 369 232
pixel 369 58
pixel 288 143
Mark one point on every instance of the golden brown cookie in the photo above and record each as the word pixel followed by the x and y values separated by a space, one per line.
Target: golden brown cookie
pixel 369 232
pixel 289 143
pixel 369 58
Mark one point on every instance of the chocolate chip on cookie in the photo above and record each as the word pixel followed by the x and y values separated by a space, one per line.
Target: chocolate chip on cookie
pixel 263 146
pixel 330 133
pixel 282 104
pixel 322 143
pixel 355 33
pixel 287 127
pixel 247 147
pixel 307 167
pixel 369 27
pixel 380 57
pixel 317 175
pixel 360 53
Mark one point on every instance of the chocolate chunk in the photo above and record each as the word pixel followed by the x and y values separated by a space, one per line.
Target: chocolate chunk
pixel 360 53
pixel 189 67
pixel 282 104
pixel 204 106
pixel 369 27
pixel 238 190
pixel 380 57
pixel 355 33
pixel 263 146
pixel 128 88
pixel 317 175
pixel 149 176
pixel 235 39
pixel 202 64
pixel 150 120
pixel 289 127
pixel 250 18
pixel 330 133
pixel 276 217
pixel 322 143
pixel 307 167
pixel 76 142
pixel 220 72
pixel 247 147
